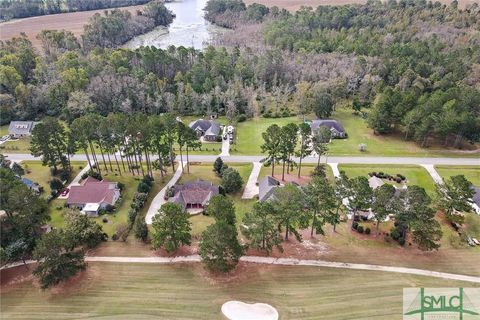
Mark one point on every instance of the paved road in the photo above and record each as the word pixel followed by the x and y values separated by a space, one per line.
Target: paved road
pixel 283 262
pixel 331 159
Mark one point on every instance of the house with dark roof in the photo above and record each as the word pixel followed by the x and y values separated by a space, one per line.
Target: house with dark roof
pixel 20 129
pixel 208 129
pixel 194 194
pixel 476 200
pixel 92 195
pixel 334 126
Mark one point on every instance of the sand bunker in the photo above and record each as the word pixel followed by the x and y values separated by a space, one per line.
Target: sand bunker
pixel 237 310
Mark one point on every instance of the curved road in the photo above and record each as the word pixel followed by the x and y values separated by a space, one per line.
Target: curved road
pixel 282 262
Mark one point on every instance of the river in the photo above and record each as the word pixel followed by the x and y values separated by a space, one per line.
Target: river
pixel 189 28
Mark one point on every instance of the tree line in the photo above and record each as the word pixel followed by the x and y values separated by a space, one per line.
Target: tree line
pixel 17 9
pixel 417 77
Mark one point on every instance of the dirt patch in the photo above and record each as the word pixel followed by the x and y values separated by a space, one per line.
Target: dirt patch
pixel 182 251
pixel 73 21
pixel 13 276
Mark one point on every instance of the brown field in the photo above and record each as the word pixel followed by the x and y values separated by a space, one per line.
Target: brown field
pixel 293 5
pixel 72 21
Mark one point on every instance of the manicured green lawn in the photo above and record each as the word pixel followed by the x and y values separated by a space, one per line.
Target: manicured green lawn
pixel 249 134
pixel 307 170
pixel 472 173
pixel 146 291
pixel 415 175
pixel 35 171
pixel 380 145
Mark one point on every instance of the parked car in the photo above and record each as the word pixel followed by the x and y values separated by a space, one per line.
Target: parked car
pixel 65 192
pixel 476 241
pixel 230 129
pixel 455 226
pixel 4 138
pixel 225 136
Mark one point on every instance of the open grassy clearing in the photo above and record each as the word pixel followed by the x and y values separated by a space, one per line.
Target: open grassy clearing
pixel 307 170
pixel 380 145
pixel 249 134
pixel 125 291
pixel 35 171
pixel 415 175
pixel 72 21
pixel 472 173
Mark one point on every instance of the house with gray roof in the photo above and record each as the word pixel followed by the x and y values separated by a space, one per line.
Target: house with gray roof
pixel 194 194
pixel 266 188
pixel 208 129
pixel 334 126
pixel 20 129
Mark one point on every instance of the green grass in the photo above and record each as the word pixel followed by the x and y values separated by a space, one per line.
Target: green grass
pixel 380 145
pixel 307 170
pixel 35 171
pixel 415 175
pixel 249 134
pixel 472 173
pixel 145 291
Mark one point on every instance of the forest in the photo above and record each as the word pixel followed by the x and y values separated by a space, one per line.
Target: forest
pixel 17 9
pixel 409 68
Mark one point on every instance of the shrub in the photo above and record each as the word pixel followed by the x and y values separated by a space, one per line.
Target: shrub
pixel 58 207
pixel 398 180
pixel 105 220
pixel 231 180
pixel 65 175
pixel 360 229
pixel 355 225
pixel 93 174
pixel 121 186
pixel 143 187
pixel 242 118
pixel 141 230
pixel 114 237
pixel 395 234
pixel 401 241
pixel 367 230
pixel 56 185
pixel 218 165
pixel 132 214
pixel 109 208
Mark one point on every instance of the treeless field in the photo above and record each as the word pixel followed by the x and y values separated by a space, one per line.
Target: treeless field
pixel 72 21
pixel 293 5
pixel 187 291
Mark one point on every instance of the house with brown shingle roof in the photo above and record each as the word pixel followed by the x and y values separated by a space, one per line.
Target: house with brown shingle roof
pixel 194 194
pixel 92 195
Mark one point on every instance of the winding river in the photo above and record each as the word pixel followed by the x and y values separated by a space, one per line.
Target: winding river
pixel 188 29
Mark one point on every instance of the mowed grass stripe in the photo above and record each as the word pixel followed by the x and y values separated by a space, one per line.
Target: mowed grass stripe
pixel 187 292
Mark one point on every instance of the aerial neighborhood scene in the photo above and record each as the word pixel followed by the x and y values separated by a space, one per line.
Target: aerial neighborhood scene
pixel 240 159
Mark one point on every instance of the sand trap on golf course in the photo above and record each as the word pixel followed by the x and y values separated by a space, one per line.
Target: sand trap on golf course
pixel 237 310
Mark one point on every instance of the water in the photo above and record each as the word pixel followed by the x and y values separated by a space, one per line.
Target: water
pixel 188 29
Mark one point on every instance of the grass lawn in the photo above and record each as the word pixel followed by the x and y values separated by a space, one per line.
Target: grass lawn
pixel 120 216
pixel 205 171
pixel 249 134
pixel 41 174
pixel 307 169
pixel 472 173
pixel 415 175
pixel 146 291
pixel 380 145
